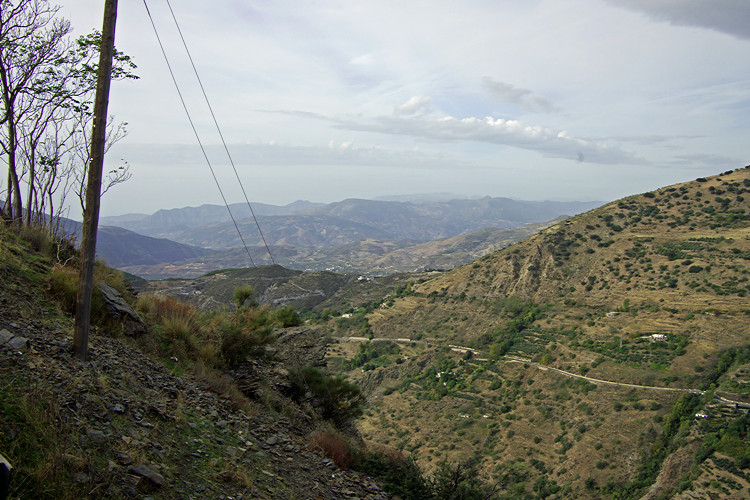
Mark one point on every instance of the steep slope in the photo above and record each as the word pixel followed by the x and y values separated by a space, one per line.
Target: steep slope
pixel 119 246
pixel 651 291
pixel 122 425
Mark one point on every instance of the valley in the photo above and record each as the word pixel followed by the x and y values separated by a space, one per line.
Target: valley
pixel 606 355
pixel 555 362
pixel 578 297
pixel 352 236
pixel 482 251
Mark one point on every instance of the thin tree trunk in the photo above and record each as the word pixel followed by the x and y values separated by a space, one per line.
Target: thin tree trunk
pixel 14 186
pixel 30 194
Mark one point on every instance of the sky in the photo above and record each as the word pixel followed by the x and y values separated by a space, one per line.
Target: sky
pixel 327 100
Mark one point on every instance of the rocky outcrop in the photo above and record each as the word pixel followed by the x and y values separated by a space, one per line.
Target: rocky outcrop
pixel 120 310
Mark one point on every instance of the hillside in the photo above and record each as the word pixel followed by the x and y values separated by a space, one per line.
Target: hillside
pixel 651 290
pixel 278 287
pixel 170 220
pixel 303 224
pixel 607 356
pixel 368 256
pixel 120 247
pixel 135 420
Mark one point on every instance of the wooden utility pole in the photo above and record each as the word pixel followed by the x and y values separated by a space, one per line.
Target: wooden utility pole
pixel 94 186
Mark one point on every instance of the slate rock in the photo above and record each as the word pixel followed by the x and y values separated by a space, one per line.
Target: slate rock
pixel 123 458
pixel 96 436
pixel 119 309
pixel 5 336
pixel 153 476
pixel 18 343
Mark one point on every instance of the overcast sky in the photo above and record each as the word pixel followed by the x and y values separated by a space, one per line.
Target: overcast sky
pixel 328 100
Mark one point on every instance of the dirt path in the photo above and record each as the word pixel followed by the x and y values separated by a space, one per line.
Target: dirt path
pixel 511 359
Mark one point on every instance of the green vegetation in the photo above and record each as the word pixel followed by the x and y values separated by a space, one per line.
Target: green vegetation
pixel 641 291
pixel 521 316
pixel 286 317
pixel 338 400
pixel 676 426
pixel 373 354
pixel 242 294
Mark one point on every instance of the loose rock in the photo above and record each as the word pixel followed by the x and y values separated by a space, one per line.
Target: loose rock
pixel 153 476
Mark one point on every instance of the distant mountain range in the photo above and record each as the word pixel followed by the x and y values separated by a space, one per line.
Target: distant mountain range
pixel 353 235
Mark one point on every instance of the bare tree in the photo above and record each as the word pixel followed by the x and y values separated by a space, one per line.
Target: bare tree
pixel 47 83
pixel 30 41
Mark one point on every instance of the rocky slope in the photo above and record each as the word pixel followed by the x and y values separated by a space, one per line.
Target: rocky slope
pixel 123 426
pixel 651 290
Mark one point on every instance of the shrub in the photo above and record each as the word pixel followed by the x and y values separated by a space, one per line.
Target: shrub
pixel 63 285
pixel 335 446
pixel 39 240
pixel 286 317
pixel 245 334
pixel 401 476
pixel 458 481
pixel 338 399
pixel 147 304
pixel 242 294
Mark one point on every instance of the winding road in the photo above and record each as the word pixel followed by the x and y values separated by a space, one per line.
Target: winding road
pixel 511 359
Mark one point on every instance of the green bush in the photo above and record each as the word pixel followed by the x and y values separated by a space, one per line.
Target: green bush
pixel 458 481
pixel 63 285
pixel 286 317
pixel 243 294
pixel 245 334
pixel 338 399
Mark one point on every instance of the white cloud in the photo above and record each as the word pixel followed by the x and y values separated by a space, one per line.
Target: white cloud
pixel 344 153
pixel 525 98
pixel 550 142
pixel 414 106
pixel 629 84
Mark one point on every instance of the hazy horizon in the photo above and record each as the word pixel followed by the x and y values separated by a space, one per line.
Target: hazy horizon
pixel 547 99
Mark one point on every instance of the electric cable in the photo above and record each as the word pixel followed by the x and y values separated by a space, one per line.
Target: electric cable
pixel 218 129
pixel 197 137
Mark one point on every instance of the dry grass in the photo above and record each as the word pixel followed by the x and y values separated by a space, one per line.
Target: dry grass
pixel 334 445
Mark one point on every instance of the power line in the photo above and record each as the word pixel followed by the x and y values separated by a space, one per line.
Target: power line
pixel 218 129
pixel 190 119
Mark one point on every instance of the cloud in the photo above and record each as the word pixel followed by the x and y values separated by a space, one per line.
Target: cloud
pixel 525 98
pixel 284 155
pixel 414 106
pixel 726 16
pixel 413 119
pixel 550 142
